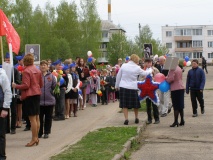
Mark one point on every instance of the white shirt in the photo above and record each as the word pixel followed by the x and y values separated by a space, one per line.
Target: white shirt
pixel 128 75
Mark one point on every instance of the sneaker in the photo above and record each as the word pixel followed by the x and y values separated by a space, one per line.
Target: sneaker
pixel 156 122
pixel 195 115
pixel 13 131
pixel 46 136
pixel 149 122
pixel 164 115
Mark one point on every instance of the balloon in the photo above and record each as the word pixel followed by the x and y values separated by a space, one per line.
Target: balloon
pixel 80 85
pixel 188 63
pixel 184 63
pixel 159 77
pixel 89 59
pixel 61 81
pixel 127 58
pixel 79 92
pixel 164 86
pixel 186 58
pixel 89 53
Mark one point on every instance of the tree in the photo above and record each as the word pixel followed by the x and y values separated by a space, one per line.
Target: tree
pixel 118 47
pixel 67 26
pixel 145 36
pixel 91 27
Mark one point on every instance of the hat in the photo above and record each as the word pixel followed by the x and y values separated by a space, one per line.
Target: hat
pixel 56 62
pixel 18 58
pixel 7 55
pixel 65 67
pixel 72 65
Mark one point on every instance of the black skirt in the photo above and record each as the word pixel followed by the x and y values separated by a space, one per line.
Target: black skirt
pixel 177 99
pixel 129 98
pixel 32 105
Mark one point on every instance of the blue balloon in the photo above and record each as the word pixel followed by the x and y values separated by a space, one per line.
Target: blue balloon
pixel 164 86
pixel 127 58
pixel 61 81
pixel 186 58
pixel 79 92
pixel 89 59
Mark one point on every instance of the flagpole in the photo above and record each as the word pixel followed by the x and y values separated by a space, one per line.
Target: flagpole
pixel 2 53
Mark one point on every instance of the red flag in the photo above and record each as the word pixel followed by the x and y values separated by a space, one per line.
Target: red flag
pixel 7 29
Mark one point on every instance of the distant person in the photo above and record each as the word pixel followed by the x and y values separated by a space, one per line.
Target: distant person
pixel 195 84
pixel 126 82
pixel 5 100
pixel 177 94
pixel 204 64
pixel 31 90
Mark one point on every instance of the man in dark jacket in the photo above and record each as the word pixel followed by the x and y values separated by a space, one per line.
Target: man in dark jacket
pixel 195 83
pixel 204 64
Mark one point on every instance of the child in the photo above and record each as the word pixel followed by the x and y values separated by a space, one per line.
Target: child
pixel 112 80
pixel 95 86
pixel 104 87
pixel 74 90
pixel 68 80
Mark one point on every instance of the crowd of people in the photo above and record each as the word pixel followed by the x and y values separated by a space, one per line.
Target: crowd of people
pixel 57 91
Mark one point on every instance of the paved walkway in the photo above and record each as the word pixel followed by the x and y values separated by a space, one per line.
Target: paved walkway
pixel 194 141
pixel 66 132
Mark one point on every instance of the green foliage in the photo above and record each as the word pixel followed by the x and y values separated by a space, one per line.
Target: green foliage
pixel 101 144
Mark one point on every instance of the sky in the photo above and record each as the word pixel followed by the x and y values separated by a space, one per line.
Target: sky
pixel 156 13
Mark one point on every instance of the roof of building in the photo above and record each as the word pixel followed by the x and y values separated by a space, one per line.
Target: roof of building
pixel 108 25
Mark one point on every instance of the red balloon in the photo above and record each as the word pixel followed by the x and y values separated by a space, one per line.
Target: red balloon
pixel 159 77
pixel 184 63
pixel 80 85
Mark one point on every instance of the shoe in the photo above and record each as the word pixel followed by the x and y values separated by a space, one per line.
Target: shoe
pixel 106 103
pixel 149 122
pixel 164 115
pixel 169 110
pixel 136 120
pixel 202 111
pixel 32 144
pixel 174 124
pixel 18 126
pixel 195 115
pixel 46 136
pixel 26 129
pixel 59 118
pixel 182 123
pixel 102 103
pixel 156 122
pixel 126 122
pixel 13 131
pixel 39 135
pixel 94 105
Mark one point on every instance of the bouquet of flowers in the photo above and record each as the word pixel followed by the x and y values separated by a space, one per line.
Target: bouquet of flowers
pixel 99 93
pixel 103 82
pixel 59 81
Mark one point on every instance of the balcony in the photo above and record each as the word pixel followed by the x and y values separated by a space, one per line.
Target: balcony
pixel 188 49
pixel 183 38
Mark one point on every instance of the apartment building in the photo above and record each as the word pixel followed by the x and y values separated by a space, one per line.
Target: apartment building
pixel 193 41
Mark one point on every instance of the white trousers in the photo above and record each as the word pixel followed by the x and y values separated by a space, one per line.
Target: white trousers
pixel 93 98
pixel 165 102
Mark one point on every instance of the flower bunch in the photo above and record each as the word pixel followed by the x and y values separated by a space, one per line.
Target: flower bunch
pixel 58 74
pixel 99 93
pixel 103 82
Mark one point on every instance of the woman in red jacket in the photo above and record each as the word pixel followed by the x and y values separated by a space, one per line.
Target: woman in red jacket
pixel 30 93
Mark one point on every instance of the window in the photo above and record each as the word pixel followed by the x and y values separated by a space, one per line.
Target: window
pixel 210 55
pixel 210 32
pixel 168 45
pixel 104 34
pixel 168 33
pixel 210 44
pixel 197 44
pixel 197 55
pixel 103 46
pixel 197 32
pixel 183 54
pixel 184 44
pixel 183 32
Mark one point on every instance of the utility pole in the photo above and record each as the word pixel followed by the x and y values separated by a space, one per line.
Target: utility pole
pixel 140 40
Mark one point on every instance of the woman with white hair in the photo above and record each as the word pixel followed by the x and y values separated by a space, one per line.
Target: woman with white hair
pixel 126 81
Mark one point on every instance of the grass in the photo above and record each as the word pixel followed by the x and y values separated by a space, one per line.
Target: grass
pixel 101 144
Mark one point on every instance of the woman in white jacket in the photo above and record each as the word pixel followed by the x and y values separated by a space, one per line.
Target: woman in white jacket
pixel 126 81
